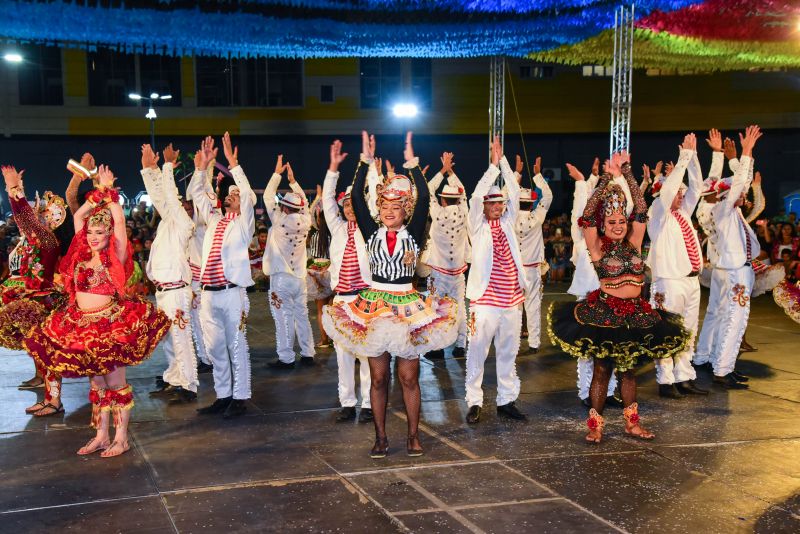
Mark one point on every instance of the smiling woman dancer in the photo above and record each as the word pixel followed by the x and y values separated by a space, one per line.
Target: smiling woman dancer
pixel 99 331
pixel 615 325
pixel 390 318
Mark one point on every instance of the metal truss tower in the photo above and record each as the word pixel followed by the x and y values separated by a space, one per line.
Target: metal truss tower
pixel 497 97
pixel 622 81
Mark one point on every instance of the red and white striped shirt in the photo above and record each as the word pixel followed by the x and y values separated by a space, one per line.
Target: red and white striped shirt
pixel 349 272
pixel 195 271
pixel 504 290
pixel 214 274
pixel 690 240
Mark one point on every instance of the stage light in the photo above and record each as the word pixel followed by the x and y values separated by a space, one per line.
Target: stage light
pixel 153 95
pixel 151 114
pixel 405 110
pixel 12 57
pixel 165 97
pixel 134 96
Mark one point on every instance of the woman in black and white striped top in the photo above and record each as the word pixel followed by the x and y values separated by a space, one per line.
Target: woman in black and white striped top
pixel 390 317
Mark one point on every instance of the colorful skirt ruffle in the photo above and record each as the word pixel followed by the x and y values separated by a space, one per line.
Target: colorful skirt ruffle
pixel 75 342
pixel 402 323
pixel 318 281
pixel 787 296
pixel 21 309
pixel 604 326
pixel 767 277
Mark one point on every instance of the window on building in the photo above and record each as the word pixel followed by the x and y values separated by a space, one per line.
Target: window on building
pixel 381 82
pixel 285 82
pixel 535 71
pixel 253 82
pixel 326 94
pixel 112 75
pixel 597 70
pixel 421 82
pixel 162 75
pixel 40 80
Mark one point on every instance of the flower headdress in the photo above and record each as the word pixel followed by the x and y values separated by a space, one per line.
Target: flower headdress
pixel 397 188
pixel 55 206
pixel 614 201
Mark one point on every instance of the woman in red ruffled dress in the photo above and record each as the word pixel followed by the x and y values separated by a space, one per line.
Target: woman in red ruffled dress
pixel 27 296
pixel 100 330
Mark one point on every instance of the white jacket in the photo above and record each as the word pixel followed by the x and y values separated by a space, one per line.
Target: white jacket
pixel 286 244
pixel 529 225
pixel 448 245
pixel 337 226
pixel 669 257
pixel 732 232
pixel 238 233
pixel 169 254
pixel 481 233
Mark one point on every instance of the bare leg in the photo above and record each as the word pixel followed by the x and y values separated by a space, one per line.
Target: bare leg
pixel 100 416
pixel 122 404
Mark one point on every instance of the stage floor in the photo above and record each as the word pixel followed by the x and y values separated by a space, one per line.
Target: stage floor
pixel 728 462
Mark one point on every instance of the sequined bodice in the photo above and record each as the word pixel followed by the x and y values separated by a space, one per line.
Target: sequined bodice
pixel 621 264
pixel 94 280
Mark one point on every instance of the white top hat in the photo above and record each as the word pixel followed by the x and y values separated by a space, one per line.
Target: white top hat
pixel 292 200
pixel 451 191
pixel 344 196
pixel 235 188
pixel 528 195
pixel 495 194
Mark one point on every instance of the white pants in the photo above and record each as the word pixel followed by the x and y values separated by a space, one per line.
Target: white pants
pixel 453 286
pixel 533 306
pixel 681 296
pixel 503 325
pixel 224 318
pixel 346 362
pixel 179 345
pixel 287 301
pixel 732 315
pixel 197 327
pixel 707 337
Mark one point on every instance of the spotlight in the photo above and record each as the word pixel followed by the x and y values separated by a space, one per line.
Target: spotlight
pixel 151 114
pixel 405 111
pixel 134 96
pixel 13 57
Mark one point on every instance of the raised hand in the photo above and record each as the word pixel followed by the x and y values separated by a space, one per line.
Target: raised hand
pixel 319 191
pixel 171 155
pixel 379 166
pixel 646 176
pixel 518 166
pixel 748 140
pixel 280 167
pixel 149 158
pixel 106 178
pixel 757 179
pixel 714 140
pixel 496 151
pixel 669 168
pixel 613 165
pixel 205 154
pixel 366 146
pixel 537 165
pixel 11 177
pixel 596 167
pixel 425 170
pixel 624 157
pixel 337 156
pixel 577 175
pixel 408 151
pixel 729 148
pixel 659 166
pixel 231 152
pixel 87 162
pixel 389 168
pixel 447 163
pixel 290 173
pixel 689 142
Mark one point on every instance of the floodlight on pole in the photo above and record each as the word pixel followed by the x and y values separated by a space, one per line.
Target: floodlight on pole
pixel 405 110
pixel 134 96
pixel 12 57
pixel 166 97
pixel 154 95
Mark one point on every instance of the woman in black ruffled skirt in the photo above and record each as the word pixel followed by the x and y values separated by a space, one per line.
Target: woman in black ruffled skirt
pixel 615 325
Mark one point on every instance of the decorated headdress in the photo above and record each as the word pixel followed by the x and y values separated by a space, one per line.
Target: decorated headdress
pixel 614 201
pixel 495 194
pixel 397 188
pixel 55 206
pixel 722 187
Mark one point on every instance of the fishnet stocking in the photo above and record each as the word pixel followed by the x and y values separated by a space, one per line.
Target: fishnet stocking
pixel 599 388
pixel 379 391
pixel 628 387
pixel 408 372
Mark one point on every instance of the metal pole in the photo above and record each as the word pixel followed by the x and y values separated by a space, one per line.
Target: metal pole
pixel 622 80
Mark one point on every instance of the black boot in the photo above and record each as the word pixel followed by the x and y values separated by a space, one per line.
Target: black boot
pixel 204 368
pixel 234 409
pixel 739 377
pixel 218 406
pixel 669 391
pixel 459 352
pixel 435 355
pixel 728 382
pixel 474 414
pixel 347 413
pixel 182 395
pixel 511 411
pixel 689 388
pixel 613 401
pixel 365 415
pixel 277 364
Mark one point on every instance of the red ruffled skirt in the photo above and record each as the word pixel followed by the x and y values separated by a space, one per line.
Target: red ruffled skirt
pixel 75 342
pixel 22 308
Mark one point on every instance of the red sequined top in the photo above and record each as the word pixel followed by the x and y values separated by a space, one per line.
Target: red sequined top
pixel 94 280
pixel 620 265
pixel 39 265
